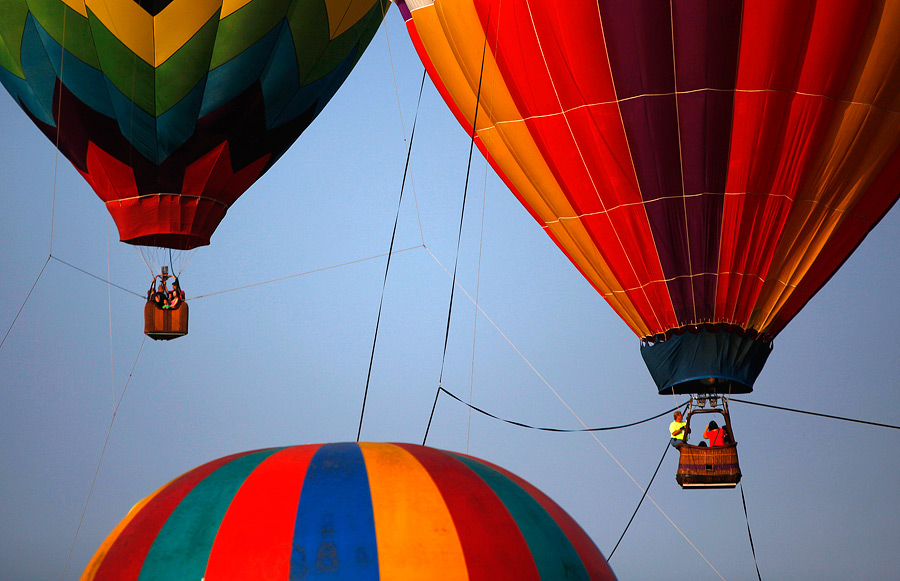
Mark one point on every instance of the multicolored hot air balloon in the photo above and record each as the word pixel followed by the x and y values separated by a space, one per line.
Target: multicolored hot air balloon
pixel 348 511
pixel 706 164
pixel 171 109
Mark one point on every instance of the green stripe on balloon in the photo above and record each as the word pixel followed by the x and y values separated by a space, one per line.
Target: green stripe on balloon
pixel 12 27
pixel 243 28
pixel 184 70
pixel 51 13
pixel 553 553
pixel 182 547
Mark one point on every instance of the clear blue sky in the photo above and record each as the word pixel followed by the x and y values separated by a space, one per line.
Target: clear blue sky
pixel 285 363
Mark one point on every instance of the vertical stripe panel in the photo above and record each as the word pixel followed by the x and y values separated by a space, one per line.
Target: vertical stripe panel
pixel 412 522
pixel 552 552
pixel 590 555
pixel 255 537
pixel 128 550
pixel 640 47
pixel 493 545
pixel 334 534
pixel 182 547
pixel 553 60
pixel 706 40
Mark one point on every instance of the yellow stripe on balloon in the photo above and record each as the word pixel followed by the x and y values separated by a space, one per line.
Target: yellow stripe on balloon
pixel 452 33
pixel 413 526
pixel 136 29
pixel 77 6
pixel 229 6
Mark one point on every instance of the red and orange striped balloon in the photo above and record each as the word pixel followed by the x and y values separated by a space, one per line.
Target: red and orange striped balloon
pixel 348 511
pixel 706 164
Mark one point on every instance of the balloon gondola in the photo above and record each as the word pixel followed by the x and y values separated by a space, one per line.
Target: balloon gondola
pixel 166 310
pixel 715 465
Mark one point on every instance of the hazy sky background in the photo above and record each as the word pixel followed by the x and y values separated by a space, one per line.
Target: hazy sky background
pixel 285 363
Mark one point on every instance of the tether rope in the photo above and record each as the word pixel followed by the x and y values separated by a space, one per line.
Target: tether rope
pixel 387 265
pixel 28 296
pixel 643 496
pixel 749 534
pixel 462 215
pixel 829 416
pixel 315 270
pixel 558 430
pixel 100 461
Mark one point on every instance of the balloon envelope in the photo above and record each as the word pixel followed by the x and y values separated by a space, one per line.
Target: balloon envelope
pixel 172 109
pixel 348 511
pixel 706 164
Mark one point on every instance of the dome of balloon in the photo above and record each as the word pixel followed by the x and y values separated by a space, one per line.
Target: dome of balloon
pixel 348 511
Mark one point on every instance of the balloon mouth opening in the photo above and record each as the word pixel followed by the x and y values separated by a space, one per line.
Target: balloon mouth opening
pixel 168 240
pixel 707 385
pixel 706 359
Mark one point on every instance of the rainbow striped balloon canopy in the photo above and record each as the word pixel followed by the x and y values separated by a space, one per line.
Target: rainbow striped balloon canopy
pixel 348 511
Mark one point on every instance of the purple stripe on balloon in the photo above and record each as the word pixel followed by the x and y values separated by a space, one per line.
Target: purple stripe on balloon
pixel 703 466
pixel 679 145
pixel 707 38
pixel 404 9
pixel 639 45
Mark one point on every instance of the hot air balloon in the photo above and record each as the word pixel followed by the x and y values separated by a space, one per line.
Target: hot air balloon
pixel 348 511
pixel 171 109
pixel 707 165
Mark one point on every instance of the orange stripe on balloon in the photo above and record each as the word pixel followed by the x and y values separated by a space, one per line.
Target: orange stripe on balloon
pixel 413 526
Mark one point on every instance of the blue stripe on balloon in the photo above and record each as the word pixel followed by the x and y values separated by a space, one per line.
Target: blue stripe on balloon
pixel 232 78
pixel 80 78
pixel 37 95
pixel 334 535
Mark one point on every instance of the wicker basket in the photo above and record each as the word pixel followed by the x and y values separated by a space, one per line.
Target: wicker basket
pixel 708 467
pixel 165 324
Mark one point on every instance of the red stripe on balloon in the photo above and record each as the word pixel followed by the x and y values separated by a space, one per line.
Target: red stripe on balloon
pixel 552 58
pixel 126 555
pixel 493 546
pixel 260 520
pixel 786 48
pixel 590 555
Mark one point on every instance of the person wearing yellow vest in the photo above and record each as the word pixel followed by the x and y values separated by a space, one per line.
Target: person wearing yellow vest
pixel 677 431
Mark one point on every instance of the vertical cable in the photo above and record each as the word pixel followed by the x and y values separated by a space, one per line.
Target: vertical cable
pixel 387 266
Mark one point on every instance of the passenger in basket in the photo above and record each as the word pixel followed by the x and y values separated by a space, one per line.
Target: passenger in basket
pixel 714 434
pixel 677 431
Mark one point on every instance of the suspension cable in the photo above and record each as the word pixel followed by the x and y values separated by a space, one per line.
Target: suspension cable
pixel 749 534
pixel 643 496
pixel 829 416
pixel 557 430
pixel 102 453
pixel 387 265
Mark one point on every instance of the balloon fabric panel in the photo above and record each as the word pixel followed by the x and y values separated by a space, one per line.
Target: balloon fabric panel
pixel 335 540
pixel 409 540
pixel 261 519
pixel 182 547
pixel 480 520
